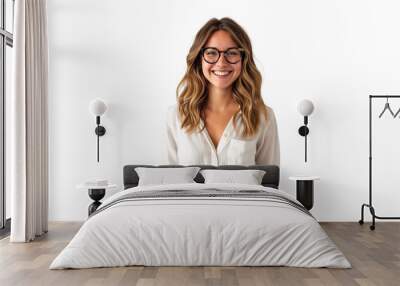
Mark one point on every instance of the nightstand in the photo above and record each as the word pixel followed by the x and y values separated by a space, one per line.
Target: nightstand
pixel 96 193
pixel 305 190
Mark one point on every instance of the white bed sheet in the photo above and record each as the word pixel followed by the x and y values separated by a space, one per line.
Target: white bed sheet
pixel 200 231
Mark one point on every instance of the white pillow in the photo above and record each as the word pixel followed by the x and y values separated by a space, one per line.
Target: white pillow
pixel 248 177
pixel 164 176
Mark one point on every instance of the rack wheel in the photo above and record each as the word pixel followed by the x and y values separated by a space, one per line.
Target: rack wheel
pixel 361 222
pixel 372 227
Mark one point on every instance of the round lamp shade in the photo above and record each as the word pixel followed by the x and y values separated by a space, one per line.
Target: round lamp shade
pixel 305 107
pixel 97 107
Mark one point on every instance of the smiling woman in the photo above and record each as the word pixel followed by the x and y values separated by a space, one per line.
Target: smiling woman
pixel 220 117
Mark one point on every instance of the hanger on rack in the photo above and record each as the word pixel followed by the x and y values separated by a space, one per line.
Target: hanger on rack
pixel 397 113
pixel 387 107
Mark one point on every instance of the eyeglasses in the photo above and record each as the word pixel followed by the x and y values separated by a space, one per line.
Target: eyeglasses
pixel 232 55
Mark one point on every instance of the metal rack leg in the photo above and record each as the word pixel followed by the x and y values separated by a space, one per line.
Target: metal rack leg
pixel 361 221
pixel 372 210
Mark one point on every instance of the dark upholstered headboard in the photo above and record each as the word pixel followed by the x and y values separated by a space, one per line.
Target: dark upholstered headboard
pixel 270 179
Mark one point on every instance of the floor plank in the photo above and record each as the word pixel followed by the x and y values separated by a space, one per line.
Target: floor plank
pixel 374 255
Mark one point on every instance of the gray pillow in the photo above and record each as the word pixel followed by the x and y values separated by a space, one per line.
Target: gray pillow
pixel 163 176
pixel 248 177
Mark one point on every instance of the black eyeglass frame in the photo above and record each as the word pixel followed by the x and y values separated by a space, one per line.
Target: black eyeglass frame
pixel 241 50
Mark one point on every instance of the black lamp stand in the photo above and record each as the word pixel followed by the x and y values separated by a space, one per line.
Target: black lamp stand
pixel 303 131
pixel 100 131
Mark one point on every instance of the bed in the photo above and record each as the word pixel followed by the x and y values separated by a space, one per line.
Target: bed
pixel 201 224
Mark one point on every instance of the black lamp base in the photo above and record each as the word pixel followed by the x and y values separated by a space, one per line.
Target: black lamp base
pixel 303 130
pixel 100 130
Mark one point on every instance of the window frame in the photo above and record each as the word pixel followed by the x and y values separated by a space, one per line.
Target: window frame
pixel 6 39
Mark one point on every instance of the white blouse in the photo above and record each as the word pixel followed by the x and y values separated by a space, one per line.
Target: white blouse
pixel 198 149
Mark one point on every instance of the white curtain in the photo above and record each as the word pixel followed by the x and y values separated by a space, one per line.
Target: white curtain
pixel 28 122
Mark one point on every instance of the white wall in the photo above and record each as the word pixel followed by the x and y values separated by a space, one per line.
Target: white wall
pixel 132 54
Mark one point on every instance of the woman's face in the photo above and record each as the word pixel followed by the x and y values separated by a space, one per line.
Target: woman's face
pixel 221 74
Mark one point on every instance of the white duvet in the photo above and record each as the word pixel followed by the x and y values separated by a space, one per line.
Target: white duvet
pixel 200 231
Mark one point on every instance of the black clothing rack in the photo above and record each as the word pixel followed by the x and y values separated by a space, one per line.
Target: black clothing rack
pixel 369 205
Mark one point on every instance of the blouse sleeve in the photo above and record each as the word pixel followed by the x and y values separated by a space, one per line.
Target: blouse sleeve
pixel 171 136
pixel 268 151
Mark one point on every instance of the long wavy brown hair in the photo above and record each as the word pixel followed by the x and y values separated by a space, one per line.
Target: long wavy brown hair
pixel 192 92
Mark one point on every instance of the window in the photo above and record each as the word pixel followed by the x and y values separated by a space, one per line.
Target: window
pixel 6 44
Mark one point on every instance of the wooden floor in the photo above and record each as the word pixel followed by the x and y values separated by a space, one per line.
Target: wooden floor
pixel 374 255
